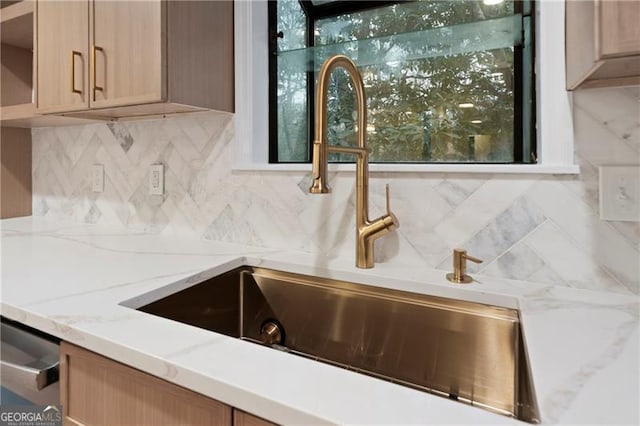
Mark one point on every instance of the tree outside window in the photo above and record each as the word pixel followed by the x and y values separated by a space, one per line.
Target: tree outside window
pixel 442 80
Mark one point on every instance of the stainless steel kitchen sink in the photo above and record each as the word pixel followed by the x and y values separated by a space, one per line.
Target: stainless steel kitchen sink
pixel 469 352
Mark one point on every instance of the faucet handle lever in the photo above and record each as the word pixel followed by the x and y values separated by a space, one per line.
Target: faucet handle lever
pixel 386 190
pixel 393 220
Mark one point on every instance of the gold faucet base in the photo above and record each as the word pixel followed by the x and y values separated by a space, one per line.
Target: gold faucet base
pixel 465 279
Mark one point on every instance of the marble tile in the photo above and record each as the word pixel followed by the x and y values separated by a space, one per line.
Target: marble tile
pixel 480 208
pixel 453 193
pixel 618 256
pixel 93 215
pixel 598 239
pixel 431 248
pixel 586 185
pixel 521 218
pixel 616 109
pixel 228 227
pixel 568 259
pixel 630 231
pixel 567 210
pixel 547 275
pixel 112 213
pixel 522 263
pixel 150 138
pixel 599 143
pixel 501 218
pixel 421 206
pixel 40 206
pixel 122 135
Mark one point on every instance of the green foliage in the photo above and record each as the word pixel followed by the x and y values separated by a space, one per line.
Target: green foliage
pixel 414 105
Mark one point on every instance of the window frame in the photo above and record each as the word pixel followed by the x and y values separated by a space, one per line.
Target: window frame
pixel 523 130
pixel 554 136
pixel 312 13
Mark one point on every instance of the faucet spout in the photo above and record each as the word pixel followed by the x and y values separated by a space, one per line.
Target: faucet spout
pixel 366 231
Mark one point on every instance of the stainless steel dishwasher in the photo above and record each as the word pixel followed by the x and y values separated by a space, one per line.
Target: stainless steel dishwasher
pixel 29 363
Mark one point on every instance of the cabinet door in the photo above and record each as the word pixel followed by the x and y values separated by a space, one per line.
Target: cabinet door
pixel 95 390
pixel 128 51
pixel 619 29
pixel 62 46
pixel 240 418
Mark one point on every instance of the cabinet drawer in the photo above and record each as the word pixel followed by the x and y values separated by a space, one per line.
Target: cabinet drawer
pixel 95 390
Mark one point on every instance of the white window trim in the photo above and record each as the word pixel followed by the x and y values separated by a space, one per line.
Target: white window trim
pixel 554 116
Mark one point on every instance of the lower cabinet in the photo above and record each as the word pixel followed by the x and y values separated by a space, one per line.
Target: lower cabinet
pixel 95 390
pixel 240 418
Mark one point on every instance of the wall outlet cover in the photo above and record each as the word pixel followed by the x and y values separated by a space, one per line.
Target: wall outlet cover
pixel 97 178
pixel 620 193
pixel 156 179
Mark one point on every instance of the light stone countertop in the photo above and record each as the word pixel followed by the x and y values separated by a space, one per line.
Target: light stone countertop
pixel 69 280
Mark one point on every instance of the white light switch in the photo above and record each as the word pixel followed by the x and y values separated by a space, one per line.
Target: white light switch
pixel 620 193
pixel 156 179
pixel 97 178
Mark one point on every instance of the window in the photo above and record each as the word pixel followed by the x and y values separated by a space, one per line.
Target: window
pixel 446 81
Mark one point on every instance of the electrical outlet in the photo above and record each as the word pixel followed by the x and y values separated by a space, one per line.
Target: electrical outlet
pixel 156 179
pixel 620 193
pixel 97 178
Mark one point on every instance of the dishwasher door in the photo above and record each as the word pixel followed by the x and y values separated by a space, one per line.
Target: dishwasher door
pixel 29 366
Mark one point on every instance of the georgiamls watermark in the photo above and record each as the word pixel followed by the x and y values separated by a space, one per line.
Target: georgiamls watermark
pixel 31 415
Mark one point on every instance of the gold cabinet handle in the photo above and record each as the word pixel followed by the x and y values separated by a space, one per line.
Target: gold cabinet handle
pixel 94 49
pixel 74 53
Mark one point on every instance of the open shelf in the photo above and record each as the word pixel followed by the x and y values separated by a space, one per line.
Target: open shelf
pixel 13 112
pixel 16 24
pixel 16 34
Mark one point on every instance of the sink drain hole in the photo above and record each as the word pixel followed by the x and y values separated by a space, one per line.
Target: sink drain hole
pixel 272 332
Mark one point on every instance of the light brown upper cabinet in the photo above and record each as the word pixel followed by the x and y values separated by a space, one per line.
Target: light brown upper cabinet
pixel 602 43
pixel 62 56
pixel 128 60
pixel 113 59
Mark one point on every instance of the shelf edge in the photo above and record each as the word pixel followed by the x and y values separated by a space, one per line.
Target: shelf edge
pixel 16 10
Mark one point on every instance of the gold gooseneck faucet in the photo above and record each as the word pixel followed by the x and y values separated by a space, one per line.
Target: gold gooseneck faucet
pixel 367 231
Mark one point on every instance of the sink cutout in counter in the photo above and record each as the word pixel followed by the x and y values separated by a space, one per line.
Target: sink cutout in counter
pixel 469 352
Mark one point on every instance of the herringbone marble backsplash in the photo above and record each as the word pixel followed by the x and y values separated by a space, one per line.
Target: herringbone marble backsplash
pixel 533 227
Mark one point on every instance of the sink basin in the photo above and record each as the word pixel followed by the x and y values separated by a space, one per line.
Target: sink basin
pixel 469 352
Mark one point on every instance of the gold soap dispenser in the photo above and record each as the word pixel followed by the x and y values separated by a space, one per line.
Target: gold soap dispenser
pixel 459 275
